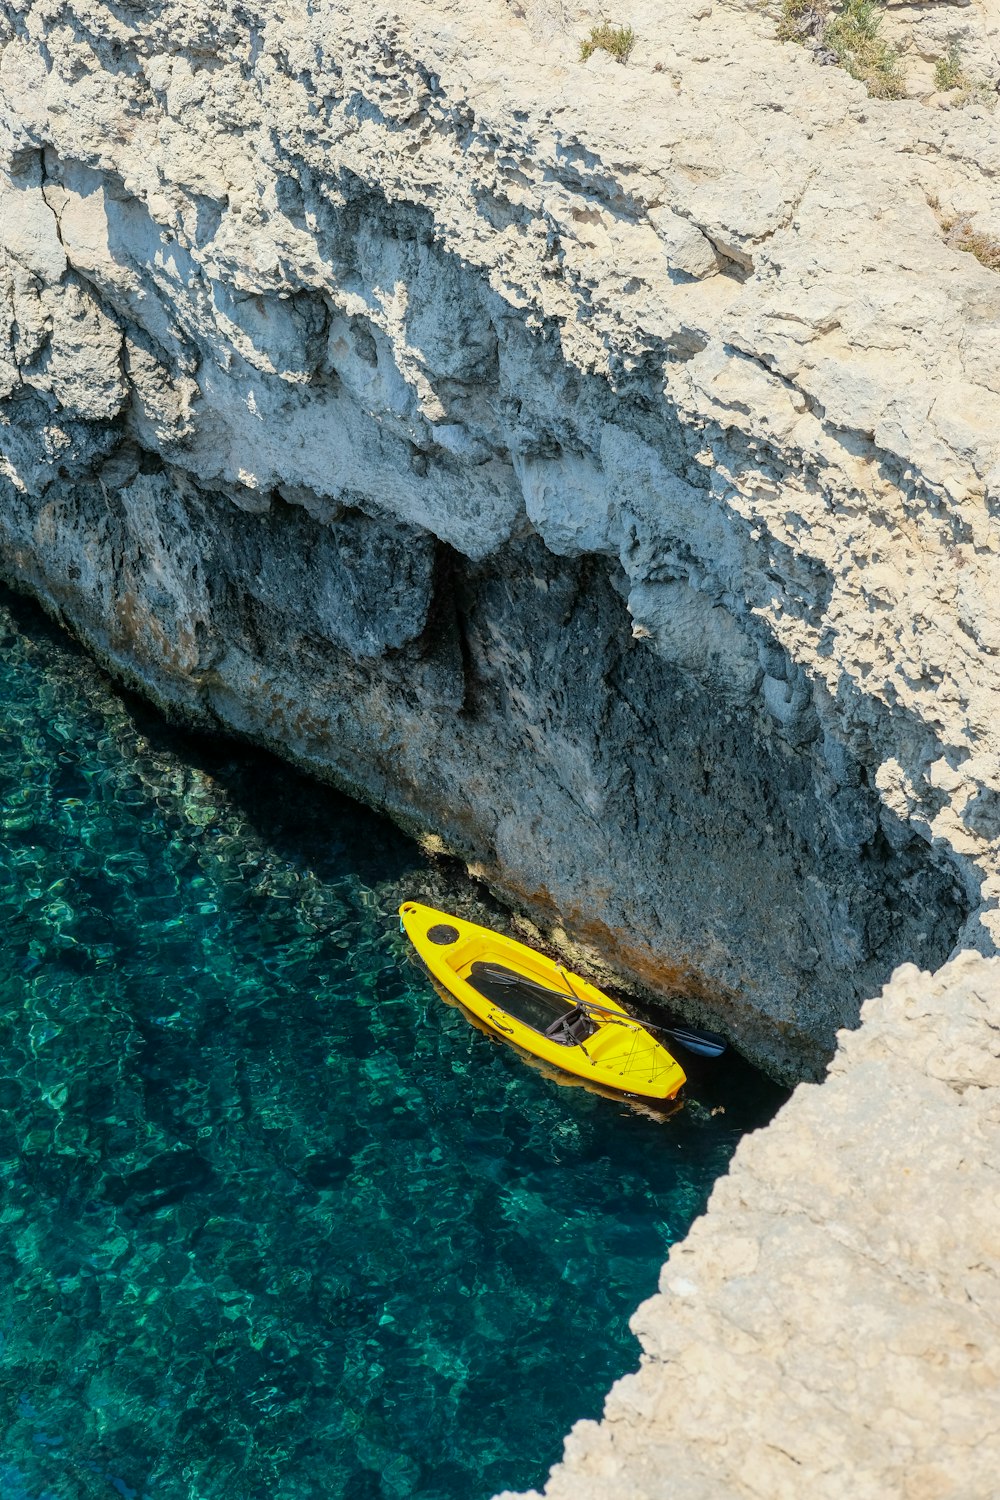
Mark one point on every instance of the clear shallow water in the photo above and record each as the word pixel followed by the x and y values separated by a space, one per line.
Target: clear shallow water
pixel 275 1222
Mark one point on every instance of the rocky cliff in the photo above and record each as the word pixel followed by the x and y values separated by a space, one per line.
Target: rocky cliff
pixel 831 1327
pixel 595 466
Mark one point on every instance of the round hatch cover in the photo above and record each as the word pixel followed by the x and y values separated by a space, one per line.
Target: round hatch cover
pixel 443 934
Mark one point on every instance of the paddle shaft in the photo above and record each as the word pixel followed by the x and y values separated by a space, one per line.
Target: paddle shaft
pixel 687 1037
pixel 705 1044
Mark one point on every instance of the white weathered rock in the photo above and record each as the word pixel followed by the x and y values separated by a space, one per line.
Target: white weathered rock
pixel 831 1326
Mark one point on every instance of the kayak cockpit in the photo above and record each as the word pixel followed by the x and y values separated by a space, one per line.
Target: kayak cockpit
pixel 546 1011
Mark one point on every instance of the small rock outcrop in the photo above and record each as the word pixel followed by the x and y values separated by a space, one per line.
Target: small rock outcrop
pixel 831 1326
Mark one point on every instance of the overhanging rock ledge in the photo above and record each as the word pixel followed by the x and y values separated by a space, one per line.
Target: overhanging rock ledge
pixel 595 466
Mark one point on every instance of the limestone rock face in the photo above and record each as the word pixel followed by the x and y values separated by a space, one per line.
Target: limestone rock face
pixel 831 1326
pixel 595 465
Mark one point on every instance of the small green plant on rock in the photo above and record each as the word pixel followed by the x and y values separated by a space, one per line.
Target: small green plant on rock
pixel 618 40
pixel 852 34
pixel 950 77
pixel 948 71
pixel 849 35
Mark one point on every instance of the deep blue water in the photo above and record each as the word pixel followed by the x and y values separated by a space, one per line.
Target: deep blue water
pixel 275 1222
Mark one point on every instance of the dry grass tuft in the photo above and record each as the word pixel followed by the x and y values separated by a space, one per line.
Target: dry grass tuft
pixel 618 40
pixel 960 234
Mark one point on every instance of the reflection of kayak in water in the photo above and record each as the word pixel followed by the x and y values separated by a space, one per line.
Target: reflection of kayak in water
pixel 534 1003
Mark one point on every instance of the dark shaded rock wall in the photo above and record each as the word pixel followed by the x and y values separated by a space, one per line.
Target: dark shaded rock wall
pixel 506 706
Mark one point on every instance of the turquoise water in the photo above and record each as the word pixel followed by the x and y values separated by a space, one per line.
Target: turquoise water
pixel 275 1222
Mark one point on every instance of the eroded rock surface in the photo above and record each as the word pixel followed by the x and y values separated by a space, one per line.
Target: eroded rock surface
pixel 596 466
pixel 831 1326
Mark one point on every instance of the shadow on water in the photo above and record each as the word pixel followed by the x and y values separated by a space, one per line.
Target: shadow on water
pixel 274 1220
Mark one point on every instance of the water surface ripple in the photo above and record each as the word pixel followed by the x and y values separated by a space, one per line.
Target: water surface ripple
pixel 275 1222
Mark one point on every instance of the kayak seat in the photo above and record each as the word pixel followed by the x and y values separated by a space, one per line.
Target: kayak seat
pixel 533 1004
pixel 572 1028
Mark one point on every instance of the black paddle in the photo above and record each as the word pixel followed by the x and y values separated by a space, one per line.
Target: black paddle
pixel 704 1043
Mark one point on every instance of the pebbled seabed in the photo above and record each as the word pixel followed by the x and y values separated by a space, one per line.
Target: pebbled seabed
pixel 274 1220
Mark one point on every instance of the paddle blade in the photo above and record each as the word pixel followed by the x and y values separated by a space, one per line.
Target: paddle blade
pixel 704 1043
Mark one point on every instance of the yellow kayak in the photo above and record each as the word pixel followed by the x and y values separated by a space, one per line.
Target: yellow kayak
pixel 538 1005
